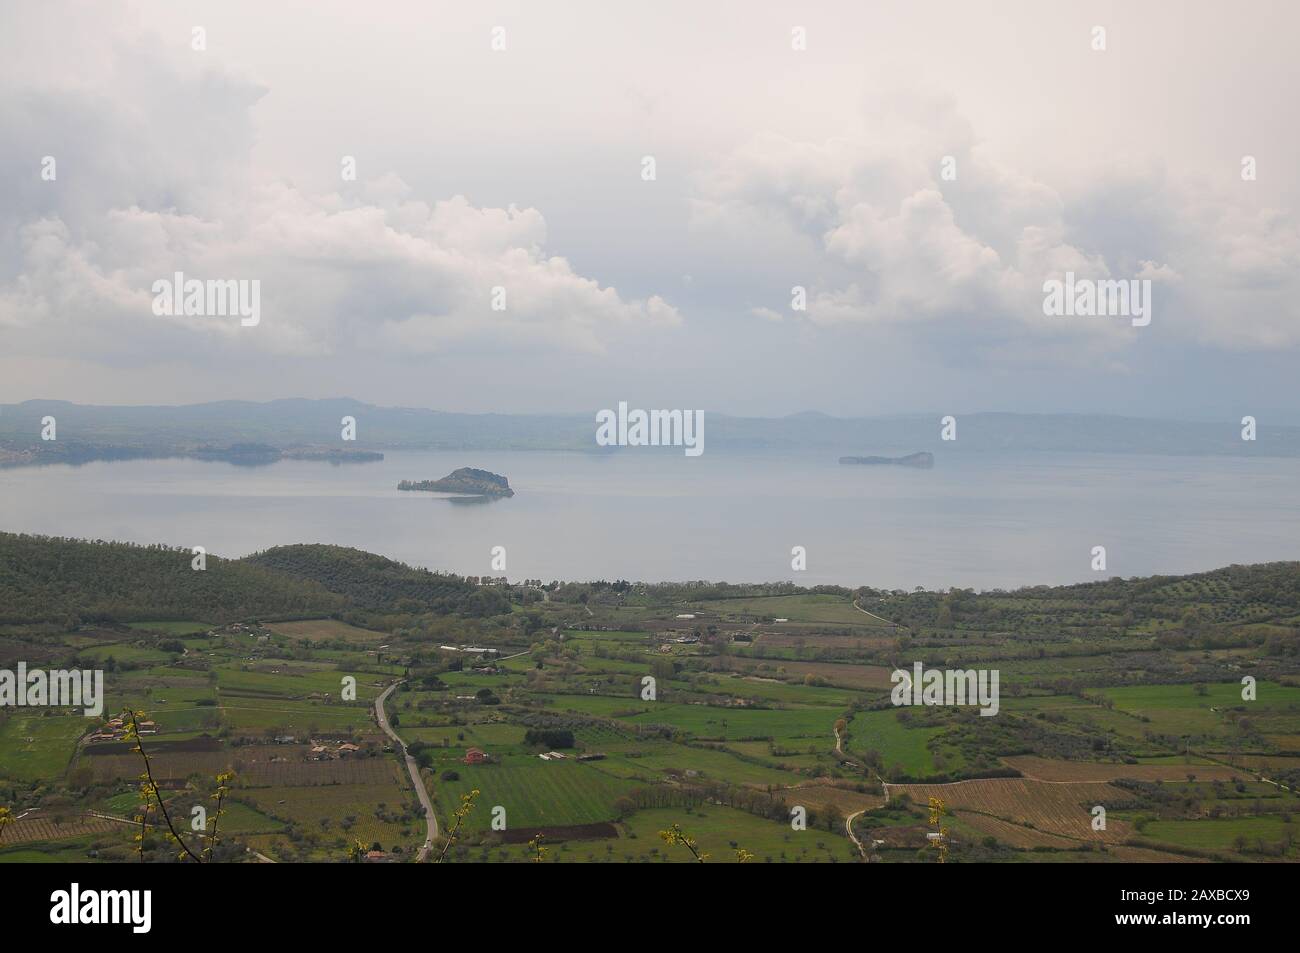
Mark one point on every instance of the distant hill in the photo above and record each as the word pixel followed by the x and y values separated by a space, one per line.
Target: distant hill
pixel 68 581
pixel 378 584
pixel 292 423
pixel 1262 600
pixel 71 582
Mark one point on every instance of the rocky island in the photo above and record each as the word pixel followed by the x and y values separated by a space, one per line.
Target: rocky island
pixel 922 459
pixel 466 480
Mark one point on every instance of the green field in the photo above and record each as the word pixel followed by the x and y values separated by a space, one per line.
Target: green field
pixel 800 608
pixel 1223 834
pixel 172 627
pixel 703 721
pixel 533 792
pixel 897 743
pixel 38 747
pixel 719 831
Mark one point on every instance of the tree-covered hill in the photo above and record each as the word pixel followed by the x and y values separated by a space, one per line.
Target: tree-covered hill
pixel 377 584
pixel 1230 596
pixel 68 581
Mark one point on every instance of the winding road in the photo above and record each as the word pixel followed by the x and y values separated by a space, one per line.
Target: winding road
pixel 848 821
pixel 892 625
pixel 848 826
pixel 430 816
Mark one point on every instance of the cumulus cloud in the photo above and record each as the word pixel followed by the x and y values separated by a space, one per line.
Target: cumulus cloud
pixel 152 175
pixel 885 239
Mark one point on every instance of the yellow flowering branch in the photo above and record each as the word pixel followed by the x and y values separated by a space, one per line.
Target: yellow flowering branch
pixel 937 811
pixel 149 787
pixel 462 812
pixel 535 845
pixel 675 836
pixel 219 797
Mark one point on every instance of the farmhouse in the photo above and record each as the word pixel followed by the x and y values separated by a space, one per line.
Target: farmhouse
pixel 475 756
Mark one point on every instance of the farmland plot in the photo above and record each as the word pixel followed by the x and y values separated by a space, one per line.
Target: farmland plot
pixel 1047 769
pixel 316 773
pixel 45 828
pixel 1055 807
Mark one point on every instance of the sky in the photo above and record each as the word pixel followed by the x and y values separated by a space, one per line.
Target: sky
pixel 918 169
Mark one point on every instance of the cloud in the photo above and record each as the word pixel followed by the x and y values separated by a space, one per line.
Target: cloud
pixel 153 152
pixel 885 239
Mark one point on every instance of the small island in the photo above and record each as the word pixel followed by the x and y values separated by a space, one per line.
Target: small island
pixel 466 480
pixel 921 459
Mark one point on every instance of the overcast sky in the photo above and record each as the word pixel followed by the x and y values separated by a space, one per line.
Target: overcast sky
pixel 774 167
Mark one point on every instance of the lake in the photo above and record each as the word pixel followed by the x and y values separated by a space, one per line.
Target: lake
pixel 975 519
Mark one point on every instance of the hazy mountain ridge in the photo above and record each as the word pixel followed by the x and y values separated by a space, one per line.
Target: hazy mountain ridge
pixel 300 422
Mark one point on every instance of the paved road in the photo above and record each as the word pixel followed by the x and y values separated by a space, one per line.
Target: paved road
pixel 430 817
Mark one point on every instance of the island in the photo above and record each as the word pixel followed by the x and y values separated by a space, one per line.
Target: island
pixel 76 452
pixel 921 459
pixel 466 480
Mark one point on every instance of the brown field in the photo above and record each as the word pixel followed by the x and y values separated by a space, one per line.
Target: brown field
pixel 844 676
pixel 1044 769
pixel 1268 762
pixel 321 630
pixel 153 746
pixel 911 837
pixel 178 759
pixel 820 796
pixel 317 773
pixel 44 828
pixel 598 831
pixel 1015 835
pixel 166 767
pixel 858 642
pixel 1053 807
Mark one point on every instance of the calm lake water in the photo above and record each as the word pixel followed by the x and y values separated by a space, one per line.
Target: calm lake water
pixel 974 520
